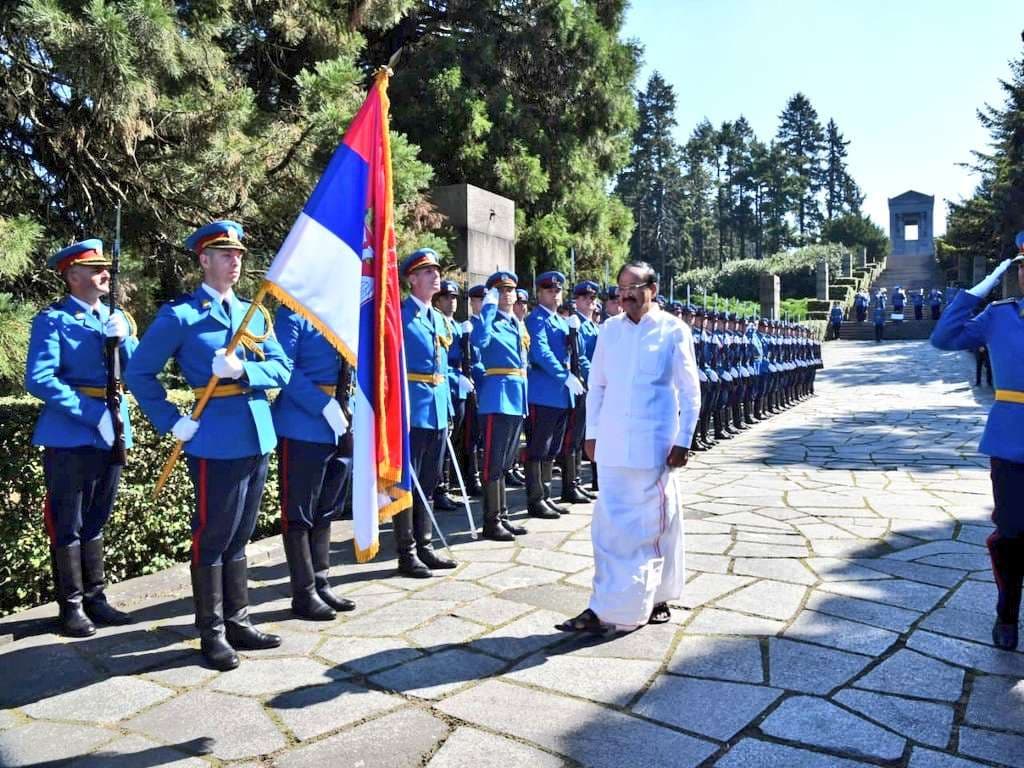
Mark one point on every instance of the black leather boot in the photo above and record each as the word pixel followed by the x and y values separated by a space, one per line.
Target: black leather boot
pixel 737 416
pixel 506 522
pixel 67 578
pixel 493 529
pixel 306 603
pixel 442 501
pixel 94 582
pixel 424 546
pixel 240 631
pixel 570 493
pixel 472 476
pixel 512 480
pixel 719 419
pixel 594 485
pixel 320 549
pixel 1005 635
pixel 208 596
pixel 409 564
pixel 546 470
pixel 535 505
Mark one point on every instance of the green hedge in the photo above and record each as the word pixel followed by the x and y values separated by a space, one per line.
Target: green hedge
pixel 142 536
pixel 741 277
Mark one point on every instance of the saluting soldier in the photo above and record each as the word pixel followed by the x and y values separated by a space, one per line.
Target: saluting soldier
pixel 66 369
pixel 585 331
pixel 502 399
pixel 228 449
pixel 310 425
pixel 551 393
pixel 1000 327
pixel 427 341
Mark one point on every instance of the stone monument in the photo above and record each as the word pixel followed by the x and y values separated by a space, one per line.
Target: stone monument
pixel 910 224
pixel 821 281
pixel 486 227
pixel 771 296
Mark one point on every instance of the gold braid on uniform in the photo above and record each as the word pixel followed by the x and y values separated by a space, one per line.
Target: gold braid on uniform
pixel 133 327
pixel 252 341
pixel 445 341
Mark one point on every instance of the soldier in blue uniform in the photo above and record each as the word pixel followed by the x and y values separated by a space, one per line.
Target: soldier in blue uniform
pixel 66 369
pixel 427 341
pixel 461 387
pixel 878 316
pixel 918 300
pixel 935 302
pixel 229 448
pixel 611 306
pixel 502 399
pixel 835 320
pixel 467 440
pixel 709 382
pixel 584 330
pixel 1000 327
pixel 310 424
pixel 551 393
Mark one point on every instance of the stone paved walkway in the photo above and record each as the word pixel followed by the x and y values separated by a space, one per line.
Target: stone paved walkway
pixel 837 614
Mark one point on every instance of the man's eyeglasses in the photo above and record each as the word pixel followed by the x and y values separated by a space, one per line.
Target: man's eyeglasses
pixel 633 287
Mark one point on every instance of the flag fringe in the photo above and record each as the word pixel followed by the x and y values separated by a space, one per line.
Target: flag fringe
pixel 366 555
pixel 291 302
pixel 401 500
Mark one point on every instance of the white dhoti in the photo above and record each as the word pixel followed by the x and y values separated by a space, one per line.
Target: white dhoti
pixel 637 532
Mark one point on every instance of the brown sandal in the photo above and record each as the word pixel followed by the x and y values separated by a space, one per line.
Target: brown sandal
pixel 585 622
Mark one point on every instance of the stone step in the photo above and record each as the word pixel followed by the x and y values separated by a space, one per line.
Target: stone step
pixel 908 329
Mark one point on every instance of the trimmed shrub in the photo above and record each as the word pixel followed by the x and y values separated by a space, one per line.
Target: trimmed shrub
pixel 141 537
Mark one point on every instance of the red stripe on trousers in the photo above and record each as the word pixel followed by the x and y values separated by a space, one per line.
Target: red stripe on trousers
pixel 198 534
pixel 487 447
pixel 48 520
pixel 283 484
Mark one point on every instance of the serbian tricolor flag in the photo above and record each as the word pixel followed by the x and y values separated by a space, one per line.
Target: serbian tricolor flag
pixel 338 268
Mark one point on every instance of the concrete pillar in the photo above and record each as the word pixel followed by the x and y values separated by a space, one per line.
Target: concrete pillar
pixel 980 270
pixel 771 296
pixel 964 270
pixel 847 268
pixel 862 258
pixel 821 283
pixel 486 227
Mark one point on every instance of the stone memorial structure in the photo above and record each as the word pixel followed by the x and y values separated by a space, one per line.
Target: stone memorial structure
pixel 771 296
pixel 821 282
pixel 911 216
pixel 486 227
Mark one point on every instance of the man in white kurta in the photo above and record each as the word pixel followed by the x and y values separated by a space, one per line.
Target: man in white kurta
pixel 642 407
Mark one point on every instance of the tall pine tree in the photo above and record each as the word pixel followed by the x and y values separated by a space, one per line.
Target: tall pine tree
pixel 801 136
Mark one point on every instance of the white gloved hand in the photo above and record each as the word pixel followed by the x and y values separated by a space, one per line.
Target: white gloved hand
pixel 106 428
pixel 465 386
pixel 982 289
pixel 335 417
pixel 574 322
pixel 225 367
pixel 184 429
pixel 491 297
pixel 574 385
pixel 116 327
pixel 467 326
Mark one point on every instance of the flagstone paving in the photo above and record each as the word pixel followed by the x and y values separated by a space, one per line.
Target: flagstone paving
pixel 837 613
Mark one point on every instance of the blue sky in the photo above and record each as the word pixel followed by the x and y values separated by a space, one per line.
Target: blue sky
pixel 902 78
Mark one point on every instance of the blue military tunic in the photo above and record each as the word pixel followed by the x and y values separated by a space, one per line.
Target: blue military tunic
pixel 191 329
pixel 65 353
pixel 503 355
pixel 454 358
pixel 549 358
pixel 426 359
pixel 1000 328
pixel 587 335
pixel 298 409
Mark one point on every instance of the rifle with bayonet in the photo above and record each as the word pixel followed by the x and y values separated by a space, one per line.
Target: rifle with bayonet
pixel 118 453
pixel 343 393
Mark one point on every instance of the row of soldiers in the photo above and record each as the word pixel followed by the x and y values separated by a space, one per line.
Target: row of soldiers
pixel 228 448
pixel 750 368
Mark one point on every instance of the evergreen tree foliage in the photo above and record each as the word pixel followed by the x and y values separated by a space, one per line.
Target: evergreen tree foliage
pixel 532 101
pixel 842 195
pixel 987 222
pixel 801 135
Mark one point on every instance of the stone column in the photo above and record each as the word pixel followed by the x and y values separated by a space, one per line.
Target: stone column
pixel 980 270
pixel 847 268
pixel 821 283
pixel 771 296
pixel 964 270
pixel 862 258
pixel 486 227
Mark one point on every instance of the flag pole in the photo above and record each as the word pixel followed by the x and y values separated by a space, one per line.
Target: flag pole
pixel 236 339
